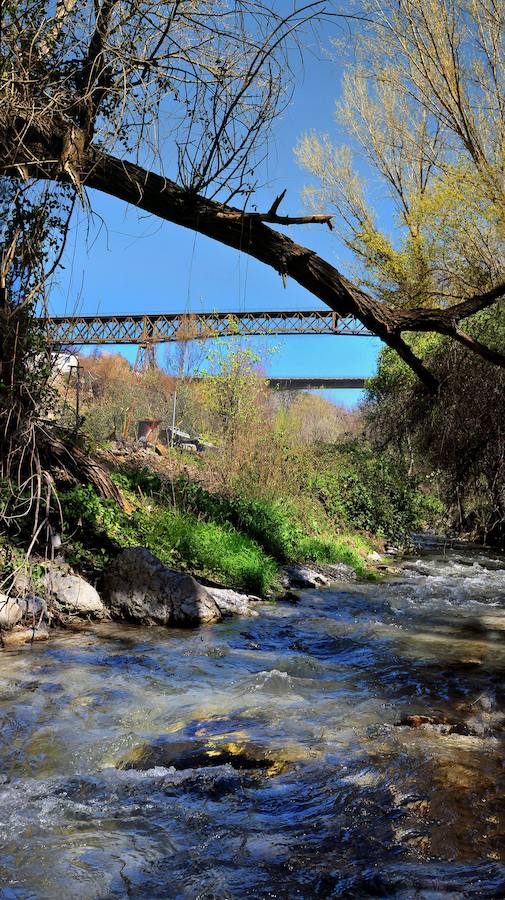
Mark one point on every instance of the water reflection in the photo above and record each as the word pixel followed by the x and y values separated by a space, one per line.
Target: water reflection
pixel 341 801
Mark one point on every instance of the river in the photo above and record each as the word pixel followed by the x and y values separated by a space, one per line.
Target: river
pixel 263 757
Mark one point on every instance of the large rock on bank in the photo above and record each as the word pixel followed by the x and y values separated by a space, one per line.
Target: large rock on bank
pixel 139 588
pixel 73 595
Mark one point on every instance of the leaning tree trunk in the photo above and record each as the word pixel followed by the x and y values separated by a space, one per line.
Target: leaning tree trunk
pixel 69 157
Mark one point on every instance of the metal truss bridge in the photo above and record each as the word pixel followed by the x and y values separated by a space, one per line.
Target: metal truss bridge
pixel 295 383
pixel 147 330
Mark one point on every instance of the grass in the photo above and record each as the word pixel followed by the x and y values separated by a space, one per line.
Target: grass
pixel 237 540
pixel 278 526
pixel 179 539
pixel 211 549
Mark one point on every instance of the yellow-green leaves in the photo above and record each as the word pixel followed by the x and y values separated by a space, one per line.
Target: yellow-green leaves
pixel 418 189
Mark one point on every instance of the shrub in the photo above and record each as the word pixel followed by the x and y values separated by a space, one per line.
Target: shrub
pixel 366 491
pixel 455 442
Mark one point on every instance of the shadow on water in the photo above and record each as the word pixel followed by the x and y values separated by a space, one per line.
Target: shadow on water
pixel 265 757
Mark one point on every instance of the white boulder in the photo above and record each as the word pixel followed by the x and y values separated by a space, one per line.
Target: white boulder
pixel 138 587
pixel 74 595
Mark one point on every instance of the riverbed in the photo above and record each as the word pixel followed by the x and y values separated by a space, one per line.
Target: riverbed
pixel 263 757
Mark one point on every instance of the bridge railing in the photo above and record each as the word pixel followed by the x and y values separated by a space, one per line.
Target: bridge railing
pixel 167 327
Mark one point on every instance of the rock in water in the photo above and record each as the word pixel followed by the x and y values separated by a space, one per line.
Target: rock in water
pixel 417 720
pixel 232 603
pixel 10 611
pixel 20 635
pixel 139 588
pixel 196 754
pixel 73 595
pixel 299 576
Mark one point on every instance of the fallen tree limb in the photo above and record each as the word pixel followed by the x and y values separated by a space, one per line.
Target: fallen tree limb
pixel 247 232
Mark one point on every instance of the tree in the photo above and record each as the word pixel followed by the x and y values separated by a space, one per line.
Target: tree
pixel 422 104
pixel 31 452
pixel 398 119
pixel 456 445
pixel 88 92
pixel 311 419
pixel 234 390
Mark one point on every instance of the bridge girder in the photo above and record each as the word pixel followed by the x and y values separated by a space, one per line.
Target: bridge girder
pixel 149 329
pixel 316 384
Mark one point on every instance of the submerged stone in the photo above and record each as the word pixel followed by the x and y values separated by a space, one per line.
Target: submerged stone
pixel 417 721
pixel 191 754
pixel 471 728
pixel 21 635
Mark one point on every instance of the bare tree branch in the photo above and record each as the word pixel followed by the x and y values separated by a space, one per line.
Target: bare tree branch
pixel 93 80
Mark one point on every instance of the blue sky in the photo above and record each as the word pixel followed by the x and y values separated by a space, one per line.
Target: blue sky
pixel 124 262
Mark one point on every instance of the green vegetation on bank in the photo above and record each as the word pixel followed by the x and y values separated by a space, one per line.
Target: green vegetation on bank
pixel 344 495
pixel 293 481
pixel 178 538
pixel 210 547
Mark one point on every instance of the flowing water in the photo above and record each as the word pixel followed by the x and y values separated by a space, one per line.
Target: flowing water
pixel 263 757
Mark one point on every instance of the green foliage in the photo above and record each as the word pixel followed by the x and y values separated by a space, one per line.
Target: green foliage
pixel 393 374
pixel 232 389
pixel 83 508
pixel 455 442
pixel 212 549
pixel 270 523
pixel 181 540
pixel 398 110
pixel 131 479
pixel 235 539
pixel 241 539
pixel 13 560
pixel 343 488
pixel 276 525
pixel 367 491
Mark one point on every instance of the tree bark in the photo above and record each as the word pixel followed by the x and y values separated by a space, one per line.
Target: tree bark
pixel 243 231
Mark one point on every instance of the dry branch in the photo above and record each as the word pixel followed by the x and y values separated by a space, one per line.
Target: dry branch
pixel 74 465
